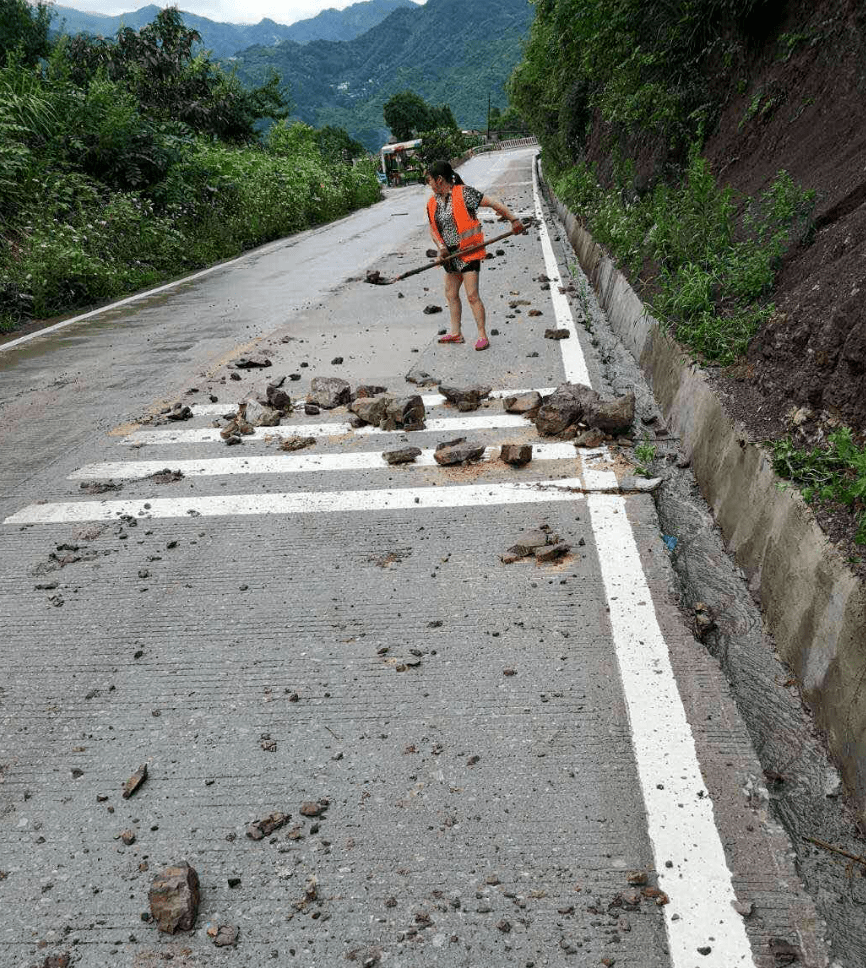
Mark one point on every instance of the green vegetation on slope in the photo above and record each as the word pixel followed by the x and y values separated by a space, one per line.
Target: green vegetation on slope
pixel 606 82
pixel 125 163
pixel 834 472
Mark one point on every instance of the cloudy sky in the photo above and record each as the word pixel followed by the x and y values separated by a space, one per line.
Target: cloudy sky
pixel 225 11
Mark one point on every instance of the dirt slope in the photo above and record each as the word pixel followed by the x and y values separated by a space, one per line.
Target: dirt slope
pixel 804 110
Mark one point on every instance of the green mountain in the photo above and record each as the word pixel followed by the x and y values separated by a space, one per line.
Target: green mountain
pixel 448 51
pixel 225 39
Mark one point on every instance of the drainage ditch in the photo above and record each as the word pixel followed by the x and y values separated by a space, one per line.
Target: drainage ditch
pixel 801 786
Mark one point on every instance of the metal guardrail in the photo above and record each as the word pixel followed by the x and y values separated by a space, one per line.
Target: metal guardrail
pixel 503 145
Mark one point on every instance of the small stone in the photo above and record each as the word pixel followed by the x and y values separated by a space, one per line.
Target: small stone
pixel 516 454
pixel 589 438
pixel 63 960
pixel 552 552
pixel 637 878
pixel 369 390
pixel 459 451
pixel 522 402
pixel 251 362
pixel 504 926
pixel 128 837
pixel 527 542
pixel 174 898
pixel 403 455
pixel 557 334
pixel 465 398
pixel 640 485
pixel 311 808
pixel 235 376
pixel 223 935
pixel 704 950
pixel 135 781
pixel 336 361
pixel 535 312
pixel 259 829
pixel 430 310
pixel 297 443
pixel 234 882
pixel 743 909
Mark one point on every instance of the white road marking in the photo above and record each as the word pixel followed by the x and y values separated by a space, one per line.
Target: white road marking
pixel 428 399
pixel 289 464
pixel 572 355
pixel 305 502
pixel 449 425
pixel 679 810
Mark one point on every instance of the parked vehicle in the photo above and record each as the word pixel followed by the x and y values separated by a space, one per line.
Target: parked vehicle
pixel 400 162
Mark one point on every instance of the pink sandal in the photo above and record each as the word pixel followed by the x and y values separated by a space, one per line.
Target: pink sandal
pixel 452 338
pixel 482 344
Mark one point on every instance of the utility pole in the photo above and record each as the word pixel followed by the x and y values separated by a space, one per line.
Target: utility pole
pixel 488 115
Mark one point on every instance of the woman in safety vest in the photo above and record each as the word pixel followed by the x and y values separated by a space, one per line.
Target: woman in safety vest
pixel 454 226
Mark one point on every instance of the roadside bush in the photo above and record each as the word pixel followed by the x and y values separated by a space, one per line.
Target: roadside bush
pixel 707 268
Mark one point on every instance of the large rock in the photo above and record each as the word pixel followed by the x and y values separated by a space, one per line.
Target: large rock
pixel 258 415
pixel 573 402
pixel 329 392
pixel 465 398
pixel 611 415
pixel 563 408
pixel 174 898
pixel 277 396
pixel 522 402
pixel 459 451
pixel 528 542
pixel 407 412
pixel 372 409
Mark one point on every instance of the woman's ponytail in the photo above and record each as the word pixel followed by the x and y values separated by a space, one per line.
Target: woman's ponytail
pixel 443 169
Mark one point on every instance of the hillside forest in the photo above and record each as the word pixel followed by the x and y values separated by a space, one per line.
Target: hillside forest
pixel 128 161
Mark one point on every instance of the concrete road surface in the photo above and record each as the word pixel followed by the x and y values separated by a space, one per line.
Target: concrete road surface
pixel 525 764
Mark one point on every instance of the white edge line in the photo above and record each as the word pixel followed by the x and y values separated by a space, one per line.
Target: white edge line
pixel 679 811
pixel 573 360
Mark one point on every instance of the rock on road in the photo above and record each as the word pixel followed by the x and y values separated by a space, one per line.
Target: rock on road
pixel 372 740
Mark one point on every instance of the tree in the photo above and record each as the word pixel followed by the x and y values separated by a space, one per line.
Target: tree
pixel 24 28
pixel 406 113
pixel 157 66
pixel 442 117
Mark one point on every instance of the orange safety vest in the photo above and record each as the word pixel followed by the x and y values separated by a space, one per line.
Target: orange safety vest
pixel 469 229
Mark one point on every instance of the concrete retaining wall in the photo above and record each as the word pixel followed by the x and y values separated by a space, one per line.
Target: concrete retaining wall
pixel 813 605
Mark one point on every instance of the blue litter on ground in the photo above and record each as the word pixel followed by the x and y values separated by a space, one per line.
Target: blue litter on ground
pixel 670 541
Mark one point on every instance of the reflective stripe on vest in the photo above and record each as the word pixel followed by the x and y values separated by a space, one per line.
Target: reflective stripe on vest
pixel 469 230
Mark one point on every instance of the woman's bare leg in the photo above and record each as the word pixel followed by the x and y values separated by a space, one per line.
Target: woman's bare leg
pixel 453 282
pixel 475 303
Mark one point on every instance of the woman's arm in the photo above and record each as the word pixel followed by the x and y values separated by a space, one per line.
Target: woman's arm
pixel 503 210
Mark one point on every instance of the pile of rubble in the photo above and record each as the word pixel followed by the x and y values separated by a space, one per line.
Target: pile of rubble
pixel 575 412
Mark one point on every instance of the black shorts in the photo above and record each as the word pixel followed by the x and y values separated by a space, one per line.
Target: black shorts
pixel 473 266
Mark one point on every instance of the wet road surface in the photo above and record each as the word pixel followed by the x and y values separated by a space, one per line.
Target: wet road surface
pixel 532 764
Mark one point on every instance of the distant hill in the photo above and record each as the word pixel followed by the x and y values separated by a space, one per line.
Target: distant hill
pixel 448 51
pixel 225 39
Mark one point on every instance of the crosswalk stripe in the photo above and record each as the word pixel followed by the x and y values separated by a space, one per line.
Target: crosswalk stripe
pixel 288 464
pixel 203 435
pixel 429 400
pixel 305 502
